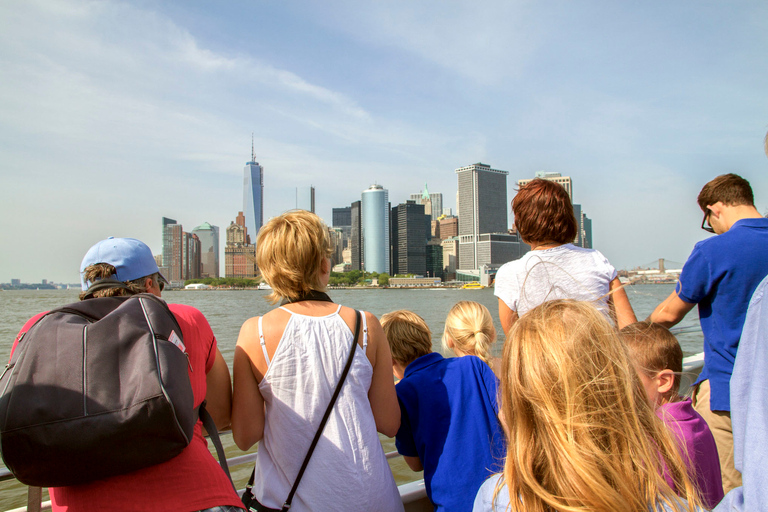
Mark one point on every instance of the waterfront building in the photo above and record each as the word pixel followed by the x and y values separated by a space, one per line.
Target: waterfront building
pixel 449 227
pixel 450 257
pixel 336 239
pixel 409 239
pixel 239 255
pixel 482 204
pixel 172 250
pixel 434 258
pixel 253 196
pixel 356 236
pixel 305 198
pixel 435 206
pixel 375 232
pixel 181 253
pixel 190 256
pixel 209 249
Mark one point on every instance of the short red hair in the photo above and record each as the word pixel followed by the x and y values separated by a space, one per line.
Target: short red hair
pixel 543 212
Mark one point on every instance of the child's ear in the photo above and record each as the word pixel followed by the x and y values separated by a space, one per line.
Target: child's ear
pixel 666 380
pixel 449 342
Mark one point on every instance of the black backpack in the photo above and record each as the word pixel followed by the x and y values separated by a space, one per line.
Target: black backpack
pixel 96 389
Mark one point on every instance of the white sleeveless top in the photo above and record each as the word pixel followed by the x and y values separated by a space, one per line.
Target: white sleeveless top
pixel 348 469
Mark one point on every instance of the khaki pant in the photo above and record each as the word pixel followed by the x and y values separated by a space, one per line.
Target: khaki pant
pixel 719 423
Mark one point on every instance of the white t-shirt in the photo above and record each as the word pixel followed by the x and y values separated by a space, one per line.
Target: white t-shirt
pixel 563 272
pixel 484 501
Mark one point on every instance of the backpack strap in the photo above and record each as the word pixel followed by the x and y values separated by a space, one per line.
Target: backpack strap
pixel 213 434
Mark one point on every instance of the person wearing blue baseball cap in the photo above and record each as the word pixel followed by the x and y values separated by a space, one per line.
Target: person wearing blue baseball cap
pixel 192 481
pixel 122 259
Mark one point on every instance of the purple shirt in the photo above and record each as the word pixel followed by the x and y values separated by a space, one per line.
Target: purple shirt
pixel 699 449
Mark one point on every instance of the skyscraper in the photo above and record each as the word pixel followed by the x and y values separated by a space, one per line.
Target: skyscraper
pixel 375 221
pixel 356 236
pixel 239 256
pixel 305 198
pixel 253 196
pixel 409 239
pixel 435 199
pixel 482 205
pixel 565 181
pixel 209 249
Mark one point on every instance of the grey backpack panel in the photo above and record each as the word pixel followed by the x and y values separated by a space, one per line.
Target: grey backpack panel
pixel 95 389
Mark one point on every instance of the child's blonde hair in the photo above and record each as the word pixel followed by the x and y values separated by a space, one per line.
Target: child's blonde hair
pixel 469 326
pixel 408 335
pixel 581 434
pixel 653 348
pixel 290 250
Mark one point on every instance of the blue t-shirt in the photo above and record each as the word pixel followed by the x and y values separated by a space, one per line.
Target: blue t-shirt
pixel 720 276
pixel 450 421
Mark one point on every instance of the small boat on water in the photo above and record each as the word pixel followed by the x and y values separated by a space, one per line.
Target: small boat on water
pixel 264 286
pixel 473 286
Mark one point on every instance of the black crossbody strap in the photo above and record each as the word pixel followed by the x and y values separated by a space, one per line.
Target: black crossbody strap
pixel 213 434
pixel 319 432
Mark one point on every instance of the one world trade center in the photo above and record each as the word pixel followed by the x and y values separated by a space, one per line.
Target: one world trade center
pixel 253 197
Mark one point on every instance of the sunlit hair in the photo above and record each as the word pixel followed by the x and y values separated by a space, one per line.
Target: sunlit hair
pixel 653 349
pixel 544 213
pixel 93 273
pixel 469 326
pixel 290 250
pixel 408 335
pixel 730 189
pixel 581 434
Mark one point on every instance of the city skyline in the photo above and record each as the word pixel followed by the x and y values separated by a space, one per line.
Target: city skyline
pixel 105 131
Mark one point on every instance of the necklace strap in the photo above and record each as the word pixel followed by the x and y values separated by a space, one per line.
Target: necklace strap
pixel 310 295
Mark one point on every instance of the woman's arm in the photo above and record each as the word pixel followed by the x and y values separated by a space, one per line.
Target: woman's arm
pixel 386 409
pixel 619 304
pixel 247 402
pixel 506 316
pixel 218 397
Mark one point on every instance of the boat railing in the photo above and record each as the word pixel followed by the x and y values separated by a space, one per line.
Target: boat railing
pixel 409 492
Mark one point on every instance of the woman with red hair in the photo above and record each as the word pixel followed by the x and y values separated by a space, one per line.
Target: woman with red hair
pixel 555 268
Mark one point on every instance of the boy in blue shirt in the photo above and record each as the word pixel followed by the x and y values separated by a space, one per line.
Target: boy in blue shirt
pixel 449 416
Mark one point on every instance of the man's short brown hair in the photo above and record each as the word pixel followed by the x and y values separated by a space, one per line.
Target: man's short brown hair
pixel 408 335
pixel 544 213
pixel 653 348
pixel 730 189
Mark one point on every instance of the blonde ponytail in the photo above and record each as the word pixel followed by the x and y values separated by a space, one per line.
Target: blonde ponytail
pixel 469 328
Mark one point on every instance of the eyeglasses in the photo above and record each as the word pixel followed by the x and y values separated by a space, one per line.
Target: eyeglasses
pixel 162 284
pixel 705 223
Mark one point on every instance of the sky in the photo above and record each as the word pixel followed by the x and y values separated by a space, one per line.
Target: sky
pixel 115 114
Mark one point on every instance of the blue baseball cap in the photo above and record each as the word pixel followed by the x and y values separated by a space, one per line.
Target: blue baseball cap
pixel 131 258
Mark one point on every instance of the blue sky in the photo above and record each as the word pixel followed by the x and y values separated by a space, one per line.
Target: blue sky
pixel 115 114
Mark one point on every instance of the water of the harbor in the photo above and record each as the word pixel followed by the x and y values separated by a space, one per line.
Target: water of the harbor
pixel 227 310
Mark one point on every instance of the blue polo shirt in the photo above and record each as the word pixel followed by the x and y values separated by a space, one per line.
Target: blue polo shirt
pixel 449 419
pixel 720 276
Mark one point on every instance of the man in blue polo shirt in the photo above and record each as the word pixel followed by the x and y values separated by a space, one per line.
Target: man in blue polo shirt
pixel 449 426
pixel 720 276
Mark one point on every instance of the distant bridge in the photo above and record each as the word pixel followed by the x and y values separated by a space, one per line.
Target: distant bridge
pixel 660 264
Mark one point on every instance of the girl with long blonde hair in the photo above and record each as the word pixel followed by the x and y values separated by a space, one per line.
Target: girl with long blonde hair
pixel 581 435
pixel 469 331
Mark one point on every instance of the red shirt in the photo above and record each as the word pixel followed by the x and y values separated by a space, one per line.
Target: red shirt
pixel 191 481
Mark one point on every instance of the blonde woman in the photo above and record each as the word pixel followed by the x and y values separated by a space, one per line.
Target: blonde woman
pixel 287 365
pixel 469 331
pixel 581 435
